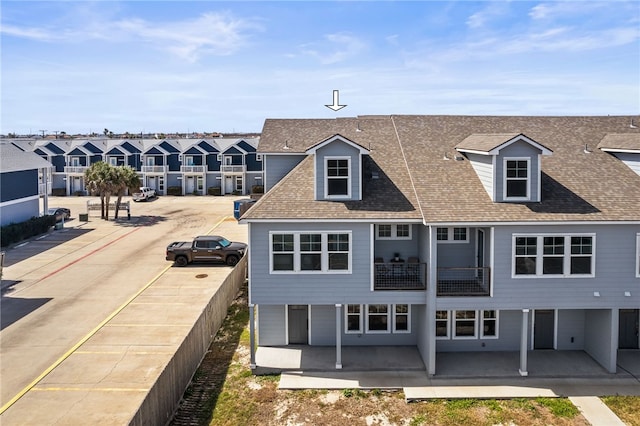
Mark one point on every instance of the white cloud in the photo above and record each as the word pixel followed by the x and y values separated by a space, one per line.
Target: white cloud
pixel 494 9
pixel 337 47
pixel 209 34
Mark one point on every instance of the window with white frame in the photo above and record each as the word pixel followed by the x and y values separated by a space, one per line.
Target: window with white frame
pixel 400 231
pixel 553 255
pixel 516 178
pixel 337 177
pixel 452 235
pixel 75 161
pixel 489 323
pixel 401 318
pixel 442 324
pixel 378 318
pixel 638 255
pixel 150 161
pixel 113 161
pixel 310 252
pixel 188 160
pixel 353 319
pixel 465 324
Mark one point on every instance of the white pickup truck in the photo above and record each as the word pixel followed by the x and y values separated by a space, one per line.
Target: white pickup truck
pixel 144 194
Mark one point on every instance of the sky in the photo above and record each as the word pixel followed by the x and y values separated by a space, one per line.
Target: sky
pixel 216 66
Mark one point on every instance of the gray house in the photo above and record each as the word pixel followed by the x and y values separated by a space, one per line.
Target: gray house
pixel 23 180
pixel 448 233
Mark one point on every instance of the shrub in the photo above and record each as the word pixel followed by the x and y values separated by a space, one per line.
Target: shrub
pixel 174 190
pixel 59 192
pixel 15 232
pixel 214 190
pixel 257 189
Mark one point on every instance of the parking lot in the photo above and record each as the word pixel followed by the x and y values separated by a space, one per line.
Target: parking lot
pixel 93 310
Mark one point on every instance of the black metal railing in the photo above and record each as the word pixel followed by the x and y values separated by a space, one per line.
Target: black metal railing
pixel 464 281
pixel 400 276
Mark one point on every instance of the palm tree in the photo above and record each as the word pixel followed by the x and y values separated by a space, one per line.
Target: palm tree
pixel 127 180
pixel 101 180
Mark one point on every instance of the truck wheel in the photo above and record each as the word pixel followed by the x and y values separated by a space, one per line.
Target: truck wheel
pixel 181 261
pixel 232 260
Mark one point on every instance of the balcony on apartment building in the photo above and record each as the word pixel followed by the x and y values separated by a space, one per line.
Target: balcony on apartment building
pixel 192 169
pixel 238 168
pixel 460 282
pixel 75 170
pixel 464 281
pixel 154 169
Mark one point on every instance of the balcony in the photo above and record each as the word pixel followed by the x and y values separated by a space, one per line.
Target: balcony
pixel 464 281
pixel 400 276
pixel 233 169
pixel 192 169
pixel 154 169
pixel 75 170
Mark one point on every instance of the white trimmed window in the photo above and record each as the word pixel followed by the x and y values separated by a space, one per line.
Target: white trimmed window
pixel 554 255
pixel 452 235
pixel 402 318
pixel 638 255
pixel 378 318
pixel 353 319
pixel 113 161
pixel 310 252
pixel 465 324
pixel 188 160
pixel 517 173
pixel 337 177
pixel 442 324
pixel 401 231
pixel 489 323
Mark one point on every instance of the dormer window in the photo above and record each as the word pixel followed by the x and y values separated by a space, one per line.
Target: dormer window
pixel 516 176
pixel 338 178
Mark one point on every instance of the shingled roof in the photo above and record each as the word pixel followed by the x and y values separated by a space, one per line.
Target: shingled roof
pixel 629 142
pixel 420 178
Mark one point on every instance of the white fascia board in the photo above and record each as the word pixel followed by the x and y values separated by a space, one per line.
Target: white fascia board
pixel 419 221
pixel 626 151
pixel 473 151
pixel 534 223
pixel 544 150
pixel 334 138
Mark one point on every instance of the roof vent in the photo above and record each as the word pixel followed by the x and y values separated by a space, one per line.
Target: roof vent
pixel 286 144
pixel 446 156
pixel 587 150
pixel 632 125
pixel 358 129
pixel 459 158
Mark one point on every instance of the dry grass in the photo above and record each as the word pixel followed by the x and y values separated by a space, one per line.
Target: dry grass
pixel 227 394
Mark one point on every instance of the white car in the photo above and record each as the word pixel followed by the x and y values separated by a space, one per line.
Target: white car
pixel 144 194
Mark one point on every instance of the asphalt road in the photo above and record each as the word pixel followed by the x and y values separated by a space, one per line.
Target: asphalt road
pixel 59 287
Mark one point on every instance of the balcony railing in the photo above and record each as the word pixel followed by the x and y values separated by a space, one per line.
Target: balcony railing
pixel 192 169
pixel 464 281
pixel 233 169
pixel 400 276
pixel 154 169
pixel 75 170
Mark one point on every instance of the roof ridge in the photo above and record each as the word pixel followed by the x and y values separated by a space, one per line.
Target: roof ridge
pixel 404 158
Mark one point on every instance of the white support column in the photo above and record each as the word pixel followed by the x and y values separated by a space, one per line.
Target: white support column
pixel 523 343
pixel 338 338
pixel 432 292
pixel 252 336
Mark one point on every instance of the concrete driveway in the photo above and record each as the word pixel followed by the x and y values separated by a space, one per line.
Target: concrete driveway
pixel 92 313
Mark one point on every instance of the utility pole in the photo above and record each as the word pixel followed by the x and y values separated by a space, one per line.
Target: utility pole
pixel 42 133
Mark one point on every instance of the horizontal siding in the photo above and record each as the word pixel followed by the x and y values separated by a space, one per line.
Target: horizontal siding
pixel 19 211
pixel 483 166
pixel 323 325
pixel 571 325
pixel 338 149
pixel 271 325
pixel 278 166
pixel 519 149
pixel 631 160
pixel 19 184
pixel 509 328
pixel 318 288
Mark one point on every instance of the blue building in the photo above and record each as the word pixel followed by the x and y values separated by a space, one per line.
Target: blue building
pixel 23 180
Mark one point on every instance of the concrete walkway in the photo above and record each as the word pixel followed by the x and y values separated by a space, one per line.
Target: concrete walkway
pixel 484 375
